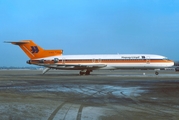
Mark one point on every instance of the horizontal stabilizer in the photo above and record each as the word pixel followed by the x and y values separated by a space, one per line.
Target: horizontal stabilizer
pixel 17 43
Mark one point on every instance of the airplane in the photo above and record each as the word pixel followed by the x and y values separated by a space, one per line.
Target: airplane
pixel 54 59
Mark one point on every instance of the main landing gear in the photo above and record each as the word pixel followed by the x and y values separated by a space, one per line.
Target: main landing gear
pixel 85 72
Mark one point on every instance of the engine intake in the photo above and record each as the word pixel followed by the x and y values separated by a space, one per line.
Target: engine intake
pixel 41 61
pixel 28 61
pixel 56 60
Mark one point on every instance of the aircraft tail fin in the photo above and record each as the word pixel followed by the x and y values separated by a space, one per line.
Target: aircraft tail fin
pixel 33 51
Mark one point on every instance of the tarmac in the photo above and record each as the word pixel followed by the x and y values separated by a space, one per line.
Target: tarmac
pixel 103 95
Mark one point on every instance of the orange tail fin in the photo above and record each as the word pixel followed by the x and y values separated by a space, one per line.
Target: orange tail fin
pixel 33 51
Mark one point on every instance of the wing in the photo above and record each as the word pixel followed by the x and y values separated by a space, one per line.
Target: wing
pixel 74 66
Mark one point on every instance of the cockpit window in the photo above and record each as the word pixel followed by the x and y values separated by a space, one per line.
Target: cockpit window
pixel 165 58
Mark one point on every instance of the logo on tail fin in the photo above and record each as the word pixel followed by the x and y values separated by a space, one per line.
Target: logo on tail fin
pixel 34 49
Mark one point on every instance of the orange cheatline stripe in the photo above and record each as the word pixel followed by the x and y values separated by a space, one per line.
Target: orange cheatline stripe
pixel 104 62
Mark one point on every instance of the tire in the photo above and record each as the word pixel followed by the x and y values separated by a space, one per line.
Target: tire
pixel 156 72
pixel 87 73
pixel 82 73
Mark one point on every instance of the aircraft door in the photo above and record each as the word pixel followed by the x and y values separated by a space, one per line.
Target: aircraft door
pixel 93 60
pixel 148 60
pixel 99 60
pixel 63 60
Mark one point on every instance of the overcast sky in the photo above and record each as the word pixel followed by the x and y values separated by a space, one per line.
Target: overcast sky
pixel 90 27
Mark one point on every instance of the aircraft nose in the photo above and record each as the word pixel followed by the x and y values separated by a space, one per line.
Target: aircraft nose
pixel 172 63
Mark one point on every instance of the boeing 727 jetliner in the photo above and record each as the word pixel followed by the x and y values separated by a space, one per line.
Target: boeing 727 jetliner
pixel 53 59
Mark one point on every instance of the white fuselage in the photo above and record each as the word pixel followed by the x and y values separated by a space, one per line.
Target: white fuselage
pixel 118 61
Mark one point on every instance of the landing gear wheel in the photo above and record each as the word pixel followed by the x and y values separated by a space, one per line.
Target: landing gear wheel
pixel 82 73
pixel 87 72
pixel 156 72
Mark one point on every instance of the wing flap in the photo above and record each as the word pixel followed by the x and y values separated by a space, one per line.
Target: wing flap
pixel 73 66
pixel 85 66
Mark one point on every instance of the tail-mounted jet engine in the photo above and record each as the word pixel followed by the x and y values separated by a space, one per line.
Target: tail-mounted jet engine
pixel 28 61
pixel 41 61
pixel 56 60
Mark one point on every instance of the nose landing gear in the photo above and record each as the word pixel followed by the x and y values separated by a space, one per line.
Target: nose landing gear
pixel 156 72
